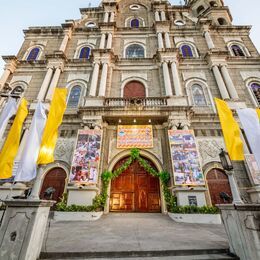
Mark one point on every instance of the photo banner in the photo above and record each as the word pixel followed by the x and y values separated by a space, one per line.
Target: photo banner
pixel 135 136
pixel 185 158
pixel 253 168
pixel 86 157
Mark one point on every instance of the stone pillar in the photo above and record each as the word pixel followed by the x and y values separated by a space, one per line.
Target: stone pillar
pixel 45 84
pixel 102 41
pixel 157 16
pixel 9 69
pixel 166 77
pixel 103 81
pixel 167 40
pixel 54 84
pixel 209 40
pixel 94 82
pixel 112 17
pixel 229 83
pixel 64 43
pixel 106 17
pixel 163 16
pixel 220 82
pixel 176 79
pixel 160 40
pixel 109 41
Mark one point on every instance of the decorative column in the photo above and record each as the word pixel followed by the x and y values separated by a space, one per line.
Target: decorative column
pixel 167 81
pixel 160 40
pixel 102 41
pixel 45 84
pixel 176 79
pixel 103 81
pixel 66 38
pixel 54 82
pixel 112 17
pixel 94 82
pixel 220 82
pixel 167 40
pixel 157 16
pixel 109 40
pixel 230 86
pixel 209 41
pixel 163 16
pixel 9 69
pixel 106 17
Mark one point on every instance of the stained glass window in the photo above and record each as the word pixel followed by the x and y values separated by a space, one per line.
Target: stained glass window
pixel 135 23
pixel 256 90
pixel 33 54
pixel 237 51
pixel 84 53
pixel 186 51
pixel 135 51
pixel 74 97
pixel 198 95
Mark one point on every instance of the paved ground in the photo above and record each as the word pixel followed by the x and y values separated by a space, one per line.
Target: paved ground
pixel 132 232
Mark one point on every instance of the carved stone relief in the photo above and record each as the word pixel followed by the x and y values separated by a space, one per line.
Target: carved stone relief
pixel 64 149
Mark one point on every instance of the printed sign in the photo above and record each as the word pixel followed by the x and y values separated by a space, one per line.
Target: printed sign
pixel 86 157
pixel 253 168
pixel 135 136
pixel 185 158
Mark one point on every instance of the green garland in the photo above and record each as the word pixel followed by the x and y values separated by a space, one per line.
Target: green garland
pixel 100 200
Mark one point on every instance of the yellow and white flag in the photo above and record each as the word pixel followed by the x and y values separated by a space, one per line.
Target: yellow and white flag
pixel 12 142
pixel 50 134
pixel 230 130
pixel 258 113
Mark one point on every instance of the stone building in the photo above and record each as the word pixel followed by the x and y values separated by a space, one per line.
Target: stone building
pixel 139 62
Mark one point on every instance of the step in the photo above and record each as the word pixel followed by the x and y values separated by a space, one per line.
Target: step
pixel 165 254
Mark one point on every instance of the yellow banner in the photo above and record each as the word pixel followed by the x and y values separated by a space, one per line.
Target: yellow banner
pixel 258 112
pixel 50 134
pixel 230 130
pixel 12 142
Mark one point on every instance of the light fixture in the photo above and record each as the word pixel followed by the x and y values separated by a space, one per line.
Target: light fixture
pixel 225 160
pixel 119 121
pixel 150 121
pixel 134 120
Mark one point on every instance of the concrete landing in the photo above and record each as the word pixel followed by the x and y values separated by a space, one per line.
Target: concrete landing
pixel 122 234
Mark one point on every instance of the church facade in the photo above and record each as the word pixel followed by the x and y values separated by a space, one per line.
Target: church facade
pixel 140 74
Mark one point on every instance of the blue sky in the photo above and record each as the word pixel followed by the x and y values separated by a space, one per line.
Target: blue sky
pixel 17 15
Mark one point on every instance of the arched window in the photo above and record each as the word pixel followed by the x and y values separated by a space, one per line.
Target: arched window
pixel 134 89
pixel 255 87
pixel 186 51
pixel 17 91
pixel 222 21
pixel 198 95
pixel 135 23
pixel 237 50
pixel 33 55
pixel 84 53
pixel 213 4
pixel 135 51
pixel 90 24
pixel 74 97
pixel 200 9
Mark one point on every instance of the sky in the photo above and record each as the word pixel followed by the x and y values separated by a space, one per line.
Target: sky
pixel 17 15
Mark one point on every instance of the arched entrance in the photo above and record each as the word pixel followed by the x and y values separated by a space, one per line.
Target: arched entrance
pixel 134 89
pixel 55 179
pixel 219 187
pixel 135 190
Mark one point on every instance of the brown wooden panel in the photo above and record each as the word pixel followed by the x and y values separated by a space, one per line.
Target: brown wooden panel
pixel 134 89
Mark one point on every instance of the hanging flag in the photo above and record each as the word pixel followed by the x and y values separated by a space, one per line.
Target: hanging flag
pixel 8 111
pixel 230 130
pixel 12 142
pixel 50 134
pixel 27 167
pixel 258 112
pixel 250 122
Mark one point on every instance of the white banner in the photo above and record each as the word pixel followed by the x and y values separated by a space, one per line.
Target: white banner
pixel 250 122
pixel 27 167
pixel 8 111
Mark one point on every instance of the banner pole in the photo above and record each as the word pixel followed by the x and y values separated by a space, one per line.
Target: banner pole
pixel 37 184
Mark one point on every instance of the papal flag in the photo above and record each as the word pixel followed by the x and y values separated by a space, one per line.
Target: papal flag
pixel 8 111
pixel 27 167
pixel 258 113
pixel 50 134
pixel 230 130
pixel 250 122
pixel 12 142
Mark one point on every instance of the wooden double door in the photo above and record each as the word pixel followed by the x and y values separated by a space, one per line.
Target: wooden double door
pixel 135 190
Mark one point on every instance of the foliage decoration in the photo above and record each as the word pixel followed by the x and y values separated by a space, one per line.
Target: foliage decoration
pixel 195 210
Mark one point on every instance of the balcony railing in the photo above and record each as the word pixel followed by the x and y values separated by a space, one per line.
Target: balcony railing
pixel 138 102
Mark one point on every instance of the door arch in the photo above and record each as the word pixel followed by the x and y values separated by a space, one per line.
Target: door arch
pixel 135 190
pixel 218 183
pixel 55 178
pixel 134 89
